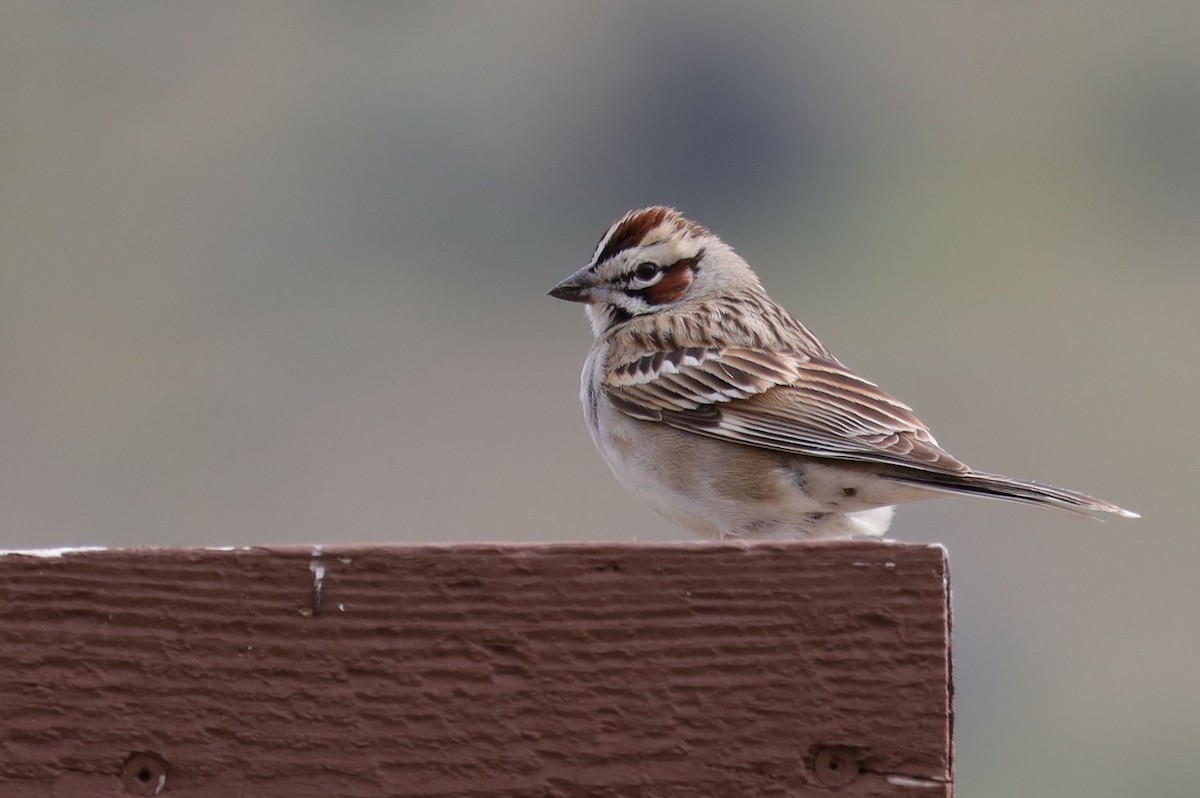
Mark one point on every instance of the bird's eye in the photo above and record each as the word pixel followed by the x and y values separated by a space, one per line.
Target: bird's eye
pixel 645 271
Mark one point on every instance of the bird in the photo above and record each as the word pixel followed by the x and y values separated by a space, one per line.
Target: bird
pixel 713 403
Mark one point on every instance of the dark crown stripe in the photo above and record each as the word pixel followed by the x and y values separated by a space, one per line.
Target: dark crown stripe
pixel 630 231
pixel 633 228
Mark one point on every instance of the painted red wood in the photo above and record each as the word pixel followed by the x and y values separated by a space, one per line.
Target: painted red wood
pixel 700 669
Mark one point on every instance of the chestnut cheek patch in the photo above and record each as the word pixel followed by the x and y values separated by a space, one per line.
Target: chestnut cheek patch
pixel 674 283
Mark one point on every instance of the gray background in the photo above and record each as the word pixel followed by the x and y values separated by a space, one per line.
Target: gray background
pixel 277 273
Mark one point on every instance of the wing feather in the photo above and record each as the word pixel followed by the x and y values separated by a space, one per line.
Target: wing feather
pixel 788 402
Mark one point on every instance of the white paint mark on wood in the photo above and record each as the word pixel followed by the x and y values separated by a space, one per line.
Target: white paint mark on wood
pixel 912 781
pixel 51 553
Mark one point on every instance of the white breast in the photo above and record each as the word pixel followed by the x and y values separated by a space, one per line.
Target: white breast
pixel 715 488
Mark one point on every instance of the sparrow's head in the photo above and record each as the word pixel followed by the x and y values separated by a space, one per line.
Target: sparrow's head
pixel 649 261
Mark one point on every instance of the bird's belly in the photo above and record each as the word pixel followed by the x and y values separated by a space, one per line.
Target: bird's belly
pixel 719 489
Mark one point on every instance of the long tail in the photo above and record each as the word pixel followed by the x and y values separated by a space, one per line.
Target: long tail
pixel 1014 490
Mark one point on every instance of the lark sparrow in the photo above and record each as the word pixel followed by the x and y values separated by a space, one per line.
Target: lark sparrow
pixel 718 407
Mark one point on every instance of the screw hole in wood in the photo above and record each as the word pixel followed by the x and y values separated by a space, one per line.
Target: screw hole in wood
pixel 835 765
pixel 144 773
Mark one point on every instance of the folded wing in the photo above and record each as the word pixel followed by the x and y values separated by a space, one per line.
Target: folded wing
pixel 787 402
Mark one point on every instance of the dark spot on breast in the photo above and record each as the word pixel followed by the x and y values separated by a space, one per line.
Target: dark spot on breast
pixel 618 315
pixel 591 410
pixel 848 492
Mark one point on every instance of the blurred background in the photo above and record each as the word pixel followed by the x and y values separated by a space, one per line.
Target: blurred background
pixel 276 272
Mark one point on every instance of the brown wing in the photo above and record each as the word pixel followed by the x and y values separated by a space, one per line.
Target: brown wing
pixel 787 402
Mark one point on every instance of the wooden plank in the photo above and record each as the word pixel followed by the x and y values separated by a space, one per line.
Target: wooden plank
pixel 705 669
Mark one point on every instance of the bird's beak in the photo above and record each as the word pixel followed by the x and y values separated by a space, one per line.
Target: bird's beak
pixel 576 288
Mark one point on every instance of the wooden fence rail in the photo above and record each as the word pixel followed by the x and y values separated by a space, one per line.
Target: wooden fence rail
pixel 705 669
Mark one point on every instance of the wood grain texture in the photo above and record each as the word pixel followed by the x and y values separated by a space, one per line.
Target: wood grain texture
pixel 705 669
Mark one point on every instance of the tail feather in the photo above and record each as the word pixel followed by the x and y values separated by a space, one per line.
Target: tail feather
pixel 1015 490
